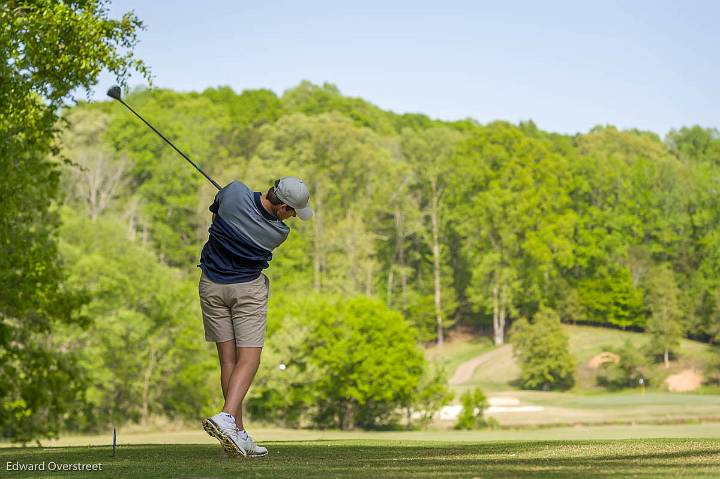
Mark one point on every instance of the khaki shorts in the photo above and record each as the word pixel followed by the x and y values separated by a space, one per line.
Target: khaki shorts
pixel 235 311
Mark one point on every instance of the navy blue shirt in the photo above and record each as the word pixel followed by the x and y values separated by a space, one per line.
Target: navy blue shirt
pixel 241 238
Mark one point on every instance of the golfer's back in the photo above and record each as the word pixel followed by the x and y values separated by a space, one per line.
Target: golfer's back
pixel 242 236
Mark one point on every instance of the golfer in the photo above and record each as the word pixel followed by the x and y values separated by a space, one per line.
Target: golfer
pixel 246 227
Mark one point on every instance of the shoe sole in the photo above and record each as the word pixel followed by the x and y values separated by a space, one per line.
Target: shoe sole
pixel 230 448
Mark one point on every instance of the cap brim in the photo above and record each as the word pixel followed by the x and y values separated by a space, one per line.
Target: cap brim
pixel 304 213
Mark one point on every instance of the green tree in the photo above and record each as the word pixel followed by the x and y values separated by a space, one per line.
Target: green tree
pixel 282 390
pixel 611 298
pixel 311 99
pixel 429 153
pixel 627 372
pixel 511 204
pixel 629 215
pixel 346 363
pixel 473 403
pixel 348 172
pixel 695 144
pixel 665 324
pixel 167 188
pixel 94 176
pixel 143 354
pixel 49 49
pixel 542 351
pixel 237 135
pixel 698 259
pixel 714 367
pixel 369 363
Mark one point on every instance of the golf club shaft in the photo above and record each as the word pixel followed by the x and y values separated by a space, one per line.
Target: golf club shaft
pixel 170 143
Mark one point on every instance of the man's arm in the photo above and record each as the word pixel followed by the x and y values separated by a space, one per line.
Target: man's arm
pixel 215 206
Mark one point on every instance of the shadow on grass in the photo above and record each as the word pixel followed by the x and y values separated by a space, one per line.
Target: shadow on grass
pixel 565 459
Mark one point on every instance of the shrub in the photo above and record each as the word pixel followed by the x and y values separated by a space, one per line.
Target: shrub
pixel 713 371
pixel 541 348
pixel 431 394
pixel 627 372
pixel 473 403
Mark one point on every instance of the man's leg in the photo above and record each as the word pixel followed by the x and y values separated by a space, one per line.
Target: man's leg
pixel 243 373
pixel 226 355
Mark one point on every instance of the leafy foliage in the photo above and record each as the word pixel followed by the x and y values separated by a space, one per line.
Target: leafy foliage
pixel 541 348
pixel 49 48
pixel 628 372
pixel 141 355
pixel 665 324
pixel 473 403
pixel 431 394
pixel 346 363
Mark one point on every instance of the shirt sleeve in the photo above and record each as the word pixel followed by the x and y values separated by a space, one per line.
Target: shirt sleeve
pixel 216 202
pixel 214 206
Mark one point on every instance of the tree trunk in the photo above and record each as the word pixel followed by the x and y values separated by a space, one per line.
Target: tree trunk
pixel 666 358
pixel 436 262
pixel 347 419
pixel 504 305
pixel 496 313
pixel 398 260
pixel 131 216
pixel 149 370
pixel 350 253
pixel 400 248
pixel 500 332
pixel 369 279
pixel 317 240
pixel 102 178
pixel 390 278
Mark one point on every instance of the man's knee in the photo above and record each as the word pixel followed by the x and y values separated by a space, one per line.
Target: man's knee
pixel 248 355
pixel 229 364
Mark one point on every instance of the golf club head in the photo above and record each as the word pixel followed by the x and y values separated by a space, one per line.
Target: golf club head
pixel 114 92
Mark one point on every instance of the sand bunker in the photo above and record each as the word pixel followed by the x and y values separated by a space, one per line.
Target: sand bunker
pixel 602 358
pixel 685 380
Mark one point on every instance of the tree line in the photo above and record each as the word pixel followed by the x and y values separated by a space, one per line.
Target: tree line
pixel 448 222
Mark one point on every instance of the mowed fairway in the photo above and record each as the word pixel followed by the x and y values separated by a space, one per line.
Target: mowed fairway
pixel 375 458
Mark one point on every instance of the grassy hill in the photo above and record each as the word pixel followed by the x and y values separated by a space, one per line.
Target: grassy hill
pixel 496 373
pixel 585 342
pixel 458 350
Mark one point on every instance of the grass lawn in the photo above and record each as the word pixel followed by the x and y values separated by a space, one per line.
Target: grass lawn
pixel 381 458
pixel 455 352
pixel 264 435
pixel 624 407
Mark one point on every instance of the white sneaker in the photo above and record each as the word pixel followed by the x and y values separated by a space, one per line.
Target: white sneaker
pixel 248 446
pixel 222 427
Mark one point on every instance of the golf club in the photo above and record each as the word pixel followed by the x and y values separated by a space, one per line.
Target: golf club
pixel 115 93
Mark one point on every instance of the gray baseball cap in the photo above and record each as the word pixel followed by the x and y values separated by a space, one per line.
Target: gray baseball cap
pixel 293 192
